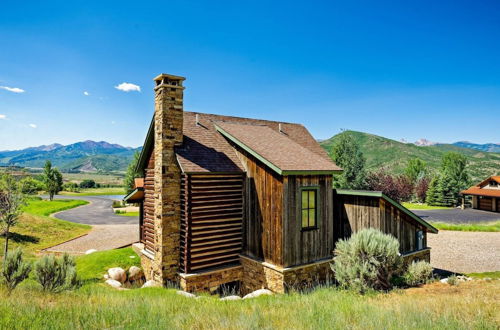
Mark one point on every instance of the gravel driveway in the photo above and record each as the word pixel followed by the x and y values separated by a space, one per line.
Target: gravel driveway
pixel 457 215
pixel 465 252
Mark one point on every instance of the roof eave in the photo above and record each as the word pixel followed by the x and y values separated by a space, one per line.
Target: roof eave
pixel 146 149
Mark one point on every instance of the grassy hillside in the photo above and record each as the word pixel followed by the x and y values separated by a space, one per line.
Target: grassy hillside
pixel 394 155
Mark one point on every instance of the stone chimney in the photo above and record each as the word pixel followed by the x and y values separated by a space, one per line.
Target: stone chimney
pixel 167 184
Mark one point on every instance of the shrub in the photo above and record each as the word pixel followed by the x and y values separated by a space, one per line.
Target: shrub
pixel 56 274
pixel 452 280
pixel 367 260
pixel 30 186
pixel 397 187
pixel 14 270
pixel 419 272
pixel 87 184
pixel 71 187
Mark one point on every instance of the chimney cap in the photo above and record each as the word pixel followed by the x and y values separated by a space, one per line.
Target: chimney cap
pixel 169 76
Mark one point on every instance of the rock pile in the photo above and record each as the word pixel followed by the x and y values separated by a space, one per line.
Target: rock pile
pixel 117 277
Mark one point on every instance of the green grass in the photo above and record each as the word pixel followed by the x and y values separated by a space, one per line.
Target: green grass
pixel 487 226
pixel 416 206
pixel 129 214
pixel 93 266
pixel 470 305
pixel 95 192
pixel 45 208
pixel 37 231
pixel 492 275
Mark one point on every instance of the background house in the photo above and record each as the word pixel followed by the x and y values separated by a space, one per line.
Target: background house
pixel 486 194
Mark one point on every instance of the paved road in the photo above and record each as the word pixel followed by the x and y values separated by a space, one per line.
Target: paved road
pixel 109 231
pixel 457 215
pixel 98 212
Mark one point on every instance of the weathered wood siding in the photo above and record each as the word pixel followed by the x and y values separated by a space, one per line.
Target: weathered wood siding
pixel 305 246
pixel 147 227
pixel 263 224
pixel 353 213
pixel 211 220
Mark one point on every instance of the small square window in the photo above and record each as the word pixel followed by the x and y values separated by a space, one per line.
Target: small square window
pixel 309 208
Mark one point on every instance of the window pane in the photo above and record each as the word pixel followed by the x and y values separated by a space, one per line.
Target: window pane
pixel 305 222
pixel 304 199
pixel 312 199
pixel 312 218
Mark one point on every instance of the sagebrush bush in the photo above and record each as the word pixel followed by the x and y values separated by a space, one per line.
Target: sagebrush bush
pixel 418 273
pixel 56 274
pixel 367 260
pixel 14 269
pixel 452 280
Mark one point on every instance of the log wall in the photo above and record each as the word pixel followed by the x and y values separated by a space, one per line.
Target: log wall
pixel 211 220
pixel 147 227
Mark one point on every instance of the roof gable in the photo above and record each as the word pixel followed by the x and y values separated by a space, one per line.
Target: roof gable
pixel 479 189
pixel 205 149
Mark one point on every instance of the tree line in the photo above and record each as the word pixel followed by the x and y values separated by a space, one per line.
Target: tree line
pixel 416 184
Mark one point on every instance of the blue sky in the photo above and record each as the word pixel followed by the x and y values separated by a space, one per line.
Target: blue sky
pixel 422 69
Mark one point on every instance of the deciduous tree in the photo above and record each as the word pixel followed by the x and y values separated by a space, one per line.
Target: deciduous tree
pixel 52 179
pixel 131 173
pixel 11 202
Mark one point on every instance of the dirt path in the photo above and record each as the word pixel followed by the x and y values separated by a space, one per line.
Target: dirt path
pixel 102 237
pixel 465 252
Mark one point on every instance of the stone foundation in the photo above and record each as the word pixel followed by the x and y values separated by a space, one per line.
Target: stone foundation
pixel 262 275
pixel 210 281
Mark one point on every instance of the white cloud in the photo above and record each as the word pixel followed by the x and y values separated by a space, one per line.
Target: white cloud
pixel 128 87
pixel 32 125
pixel 12 89
pixel 86 93
pixel 3 116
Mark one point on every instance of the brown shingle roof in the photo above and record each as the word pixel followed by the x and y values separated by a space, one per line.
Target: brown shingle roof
pixel 479 191
pixel 275 148
pixel 204 149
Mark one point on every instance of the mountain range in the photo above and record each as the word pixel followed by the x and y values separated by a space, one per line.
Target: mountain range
pixel 86 156
pixel 393 155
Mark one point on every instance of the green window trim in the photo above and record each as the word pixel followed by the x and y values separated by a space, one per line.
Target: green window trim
pixel 309 207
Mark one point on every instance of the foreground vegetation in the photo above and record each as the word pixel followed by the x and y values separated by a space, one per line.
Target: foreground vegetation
pixel 486 226
pixel 37 231
pixel 435 306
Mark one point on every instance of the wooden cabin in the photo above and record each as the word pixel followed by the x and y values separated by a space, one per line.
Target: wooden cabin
pixel 246 201
pixel 485 195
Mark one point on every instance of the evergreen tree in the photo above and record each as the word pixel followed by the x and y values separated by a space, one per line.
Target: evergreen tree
pixel 348 156
pixel 415 168
pixel 131 173
pixel 432 192
pixel 454 170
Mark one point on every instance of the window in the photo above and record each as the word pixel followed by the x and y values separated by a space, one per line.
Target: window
pixel 420 240
pixel 309 208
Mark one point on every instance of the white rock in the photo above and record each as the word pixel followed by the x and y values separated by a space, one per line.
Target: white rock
pixel 186 294
pixel 258 293
pixel 117 274
pixel 90 251
pixel 231 298
pixel 135 273
pixel 106 276
pixel 444 280
pixel 151 284
pixel 114 284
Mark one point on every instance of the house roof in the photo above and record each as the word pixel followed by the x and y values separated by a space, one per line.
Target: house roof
pixel 206 149
pixel 390 201
pixel 478 189
pixel 275 149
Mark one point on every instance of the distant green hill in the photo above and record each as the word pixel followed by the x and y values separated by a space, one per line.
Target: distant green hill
pixel 393 155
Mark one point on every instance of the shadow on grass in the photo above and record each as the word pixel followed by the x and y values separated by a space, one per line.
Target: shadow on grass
pixel 20 238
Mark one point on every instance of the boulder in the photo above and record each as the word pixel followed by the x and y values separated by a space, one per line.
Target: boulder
pixel 106 276
pixel 231 298
pixel 114 284
pixel 151 284
pixel 186 294
pixel 258 293
pixel 117 274
pixel 135 274
pixel 90 251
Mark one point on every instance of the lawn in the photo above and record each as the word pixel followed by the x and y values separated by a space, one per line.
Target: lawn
pixel 435 306
pixel 37 231
pixel 129 214
pixel 95 192
pixel 487 226
pixel 418 206
pixel 91 267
